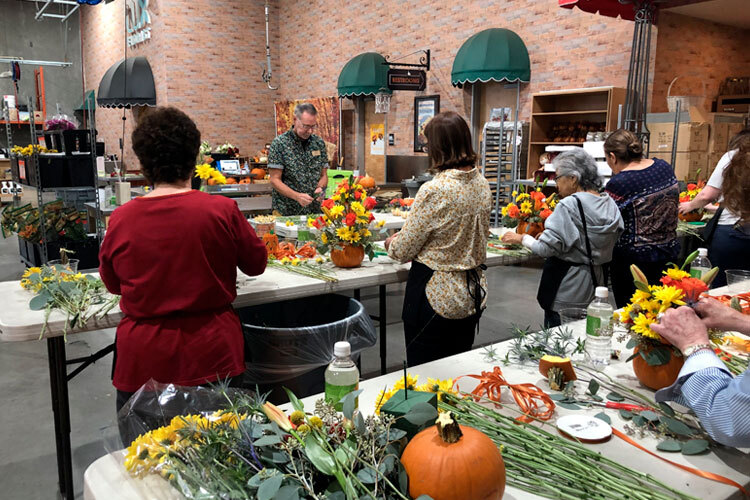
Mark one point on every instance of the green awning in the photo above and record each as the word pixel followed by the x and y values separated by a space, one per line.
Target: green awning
pixel 495 54
pixel 88 103
pixel 364 74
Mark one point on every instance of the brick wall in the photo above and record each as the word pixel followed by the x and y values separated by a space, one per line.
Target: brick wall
pixel 701 50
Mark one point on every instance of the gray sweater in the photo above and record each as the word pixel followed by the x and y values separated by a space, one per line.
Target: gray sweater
pixel 563 238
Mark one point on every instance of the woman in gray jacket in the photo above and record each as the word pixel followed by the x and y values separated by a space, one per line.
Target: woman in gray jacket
pixel 578 237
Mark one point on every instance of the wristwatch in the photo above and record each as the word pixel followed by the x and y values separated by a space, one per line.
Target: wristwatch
pixel 695 348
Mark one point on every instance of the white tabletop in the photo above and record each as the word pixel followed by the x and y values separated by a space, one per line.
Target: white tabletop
pixel 391 222
pixel 107 479
pixel 19 323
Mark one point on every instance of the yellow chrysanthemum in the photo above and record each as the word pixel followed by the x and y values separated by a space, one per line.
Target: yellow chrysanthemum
pixel 365 233
pixel 324 238
pixel 676 274
pixel 357 208
pixel 218 177
pixel 514 194
pixel 380 223
pixel 642 325
pixel 285 260
pixel 203 171
pixel 336 211
pixel 296 261
pixel 624 314
pixel 667 296
pixel 640 296
pixel 336 197
pixel 344 233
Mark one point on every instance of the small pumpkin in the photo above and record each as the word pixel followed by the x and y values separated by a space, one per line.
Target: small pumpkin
pixel 258 173
pixel 547 362
pixel 211 181
pixel 246 180
pixel 231 180
pixel 658 376
pixel 530 228
pixel 454 462
pixel 350 256
pixel 271 241
pixel 693 216
pixel 366 182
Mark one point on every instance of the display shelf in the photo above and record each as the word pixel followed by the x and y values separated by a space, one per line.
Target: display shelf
pixel 580 112
pixel 549 143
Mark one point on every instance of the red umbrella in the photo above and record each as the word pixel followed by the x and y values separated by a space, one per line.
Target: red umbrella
pixel 619 8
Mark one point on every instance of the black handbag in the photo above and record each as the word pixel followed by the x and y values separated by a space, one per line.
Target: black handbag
pixel 710 228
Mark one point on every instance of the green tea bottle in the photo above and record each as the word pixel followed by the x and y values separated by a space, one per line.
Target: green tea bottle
pixel 342 375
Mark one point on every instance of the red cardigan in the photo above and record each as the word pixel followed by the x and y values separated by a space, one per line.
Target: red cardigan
pixel 173 259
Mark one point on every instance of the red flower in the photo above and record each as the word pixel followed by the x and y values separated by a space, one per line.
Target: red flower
pixel 372 217
pixel 537 195
pixel 318 223
pixel 370 203
pixel 691 187
pixel 357 195
pixel 545 213
pixel 328 204
pixel 351 219
pixel 401 202
pixel 513 212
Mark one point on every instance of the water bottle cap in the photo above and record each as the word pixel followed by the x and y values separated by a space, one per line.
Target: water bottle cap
pixel 703 252
pixel 602 292
pixel 341 349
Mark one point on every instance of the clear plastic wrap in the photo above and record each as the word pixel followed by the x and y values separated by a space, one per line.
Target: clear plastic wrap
pixel 62 122
pixel 286 341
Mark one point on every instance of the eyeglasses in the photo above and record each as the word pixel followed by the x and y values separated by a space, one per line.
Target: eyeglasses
pixel 308 127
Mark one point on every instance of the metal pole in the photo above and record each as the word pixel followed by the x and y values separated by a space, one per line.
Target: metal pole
pixel 675 133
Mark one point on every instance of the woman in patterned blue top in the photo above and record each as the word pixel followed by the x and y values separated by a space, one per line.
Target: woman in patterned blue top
pixel 647 194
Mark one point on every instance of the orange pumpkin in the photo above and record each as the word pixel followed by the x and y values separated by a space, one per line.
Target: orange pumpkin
pixel 246 180
pixel 366 182
pixel 271 241
pixel 659 376
pixel 533 228
pixel 693 216
pixel 564 364
pixel 258 173
pixel 452 462
pixel 211 181
pixel 350 256
pixel 231 180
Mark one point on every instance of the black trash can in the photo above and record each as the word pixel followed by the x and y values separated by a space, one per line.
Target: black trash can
pixel 290 343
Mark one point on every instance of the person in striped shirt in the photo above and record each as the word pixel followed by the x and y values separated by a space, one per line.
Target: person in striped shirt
pixel 721 401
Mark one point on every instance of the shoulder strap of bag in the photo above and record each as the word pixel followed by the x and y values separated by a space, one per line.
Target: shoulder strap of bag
pixel 588 243
pixel 710 227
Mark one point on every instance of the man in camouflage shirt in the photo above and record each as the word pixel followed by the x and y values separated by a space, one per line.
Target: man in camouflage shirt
pixel 298 164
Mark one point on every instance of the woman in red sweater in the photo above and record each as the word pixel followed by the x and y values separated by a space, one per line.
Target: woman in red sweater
pixel 172 256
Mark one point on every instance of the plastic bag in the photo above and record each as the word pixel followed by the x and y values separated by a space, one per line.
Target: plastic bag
pixel 289 339
pixel 62 122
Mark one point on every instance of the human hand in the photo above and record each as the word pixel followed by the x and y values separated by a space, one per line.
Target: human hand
pixel 304 199
pixel 685 207
pixel 682 328
pixel 716 315
pixel 318 191
pixel 512 238
pixel 390 239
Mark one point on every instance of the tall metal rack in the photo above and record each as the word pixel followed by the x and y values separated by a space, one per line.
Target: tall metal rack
pixel 500 163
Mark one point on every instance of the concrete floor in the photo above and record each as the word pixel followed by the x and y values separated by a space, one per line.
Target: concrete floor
pixel 27 445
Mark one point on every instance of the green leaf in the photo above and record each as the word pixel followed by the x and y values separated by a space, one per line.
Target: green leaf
pixel 669 445
pixel 254 482
pixel 424 497
pixel 642 287
pixel 39 302
pixel 631 343
pixel 267 440
pixel 633 356
pixel 626 414
pixel 269 487
pixel 657 356
pixel 676 427
pixel 395 434
pixel 694 447
pixel 639 420
pixel 593 387
pixel 288 492
pixel 690 258
pixel 349 401
pixel 614 396
pixel 367 476
pixel 421 413
pixel 666 409
pixel 569 406
pixel 403 478
pixel 294 400
pixel 650 415
pixel 558 397
pixel 597 398
pixel 603 416
pixel 359 423
pixel 321 459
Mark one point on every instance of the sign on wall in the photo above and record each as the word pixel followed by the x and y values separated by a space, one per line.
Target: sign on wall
pixel 407 79
pixel 137 21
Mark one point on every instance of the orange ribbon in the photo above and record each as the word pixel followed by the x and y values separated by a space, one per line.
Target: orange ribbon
pixel 697 472
pixel 527 396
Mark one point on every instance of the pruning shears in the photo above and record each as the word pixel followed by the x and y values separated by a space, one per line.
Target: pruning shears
pixel 617 406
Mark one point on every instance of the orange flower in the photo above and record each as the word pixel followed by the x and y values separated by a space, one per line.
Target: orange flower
pixel 275 414
pixel 513 212
pixel 691 187
pixel 545 213
pixel 328 203
pixel 351 219
pixel 537 195
pixel 370 203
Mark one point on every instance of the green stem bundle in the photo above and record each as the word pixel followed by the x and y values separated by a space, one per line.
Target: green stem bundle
pixel 304 271
pixel 549 465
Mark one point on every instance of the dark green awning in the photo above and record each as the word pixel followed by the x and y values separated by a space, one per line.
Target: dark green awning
pixel 495 54
pixel 88 103
pixel 364 74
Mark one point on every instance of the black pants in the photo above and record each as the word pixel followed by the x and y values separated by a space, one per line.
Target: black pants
pixel 729 249
pixel 438 338
pixel 622 279
pixel 551 318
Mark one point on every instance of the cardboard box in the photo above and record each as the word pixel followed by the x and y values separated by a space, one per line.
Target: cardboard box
pixel 38 117
pixel 692 136
pixel 713 159
pixel 13 114
pixel 686 164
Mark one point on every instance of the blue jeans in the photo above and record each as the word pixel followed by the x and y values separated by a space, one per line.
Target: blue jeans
pixel 729 249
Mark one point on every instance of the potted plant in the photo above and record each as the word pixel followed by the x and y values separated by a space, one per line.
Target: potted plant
pixel 657 363
pixel 347 224
pixel 528 210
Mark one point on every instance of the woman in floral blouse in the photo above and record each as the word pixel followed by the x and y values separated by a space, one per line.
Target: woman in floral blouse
pixel 445 237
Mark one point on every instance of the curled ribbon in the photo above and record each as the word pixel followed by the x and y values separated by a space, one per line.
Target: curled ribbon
pixel 527 396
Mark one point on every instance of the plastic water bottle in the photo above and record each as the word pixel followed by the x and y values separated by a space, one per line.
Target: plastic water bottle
pixel 342 375
pixel 303 232
pixel 599 327
pixel 701 264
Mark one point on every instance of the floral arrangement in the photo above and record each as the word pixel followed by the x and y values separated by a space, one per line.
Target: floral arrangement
pixel 409 381
pixel 31 149
pixel 252 449
pixel 677 288
pixel 205 148
pixel 529 207
pixel 227 149
pixel 347 219
pixel 692 190
pixel 60 223
pixel 208 173
pixel 79 296
pixel 60 123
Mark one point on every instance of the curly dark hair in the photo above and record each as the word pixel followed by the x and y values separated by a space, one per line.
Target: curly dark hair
pixel 736 183
pixel 166 142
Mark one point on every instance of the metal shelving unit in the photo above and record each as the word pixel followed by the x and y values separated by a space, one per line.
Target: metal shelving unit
pixel 500 163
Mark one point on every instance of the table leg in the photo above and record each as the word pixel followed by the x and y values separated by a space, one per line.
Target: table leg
pixel 61 412
pixel 383 326
pixel 357 294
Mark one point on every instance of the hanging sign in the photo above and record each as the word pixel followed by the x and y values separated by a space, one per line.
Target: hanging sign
pixel 137 22
pixel 407 79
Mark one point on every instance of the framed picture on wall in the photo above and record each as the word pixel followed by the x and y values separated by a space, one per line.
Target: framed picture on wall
pixel 425 107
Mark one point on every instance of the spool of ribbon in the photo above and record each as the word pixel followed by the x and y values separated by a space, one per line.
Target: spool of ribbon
pixel 530 398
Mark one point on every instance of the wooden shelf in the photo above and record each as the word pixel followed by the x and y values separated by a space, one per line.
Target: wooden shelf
pixel 550 143
pixel 574 112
